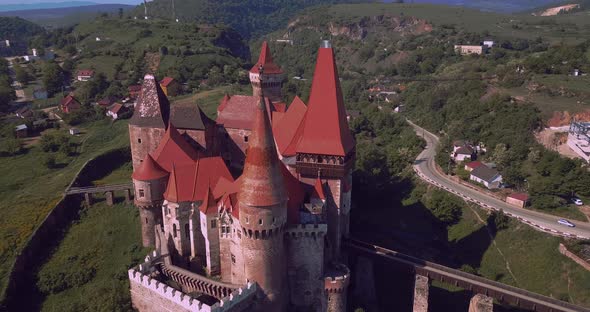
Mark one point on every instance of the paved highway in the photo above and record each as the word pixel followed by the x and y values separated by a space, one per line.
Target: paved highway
pixel 425 167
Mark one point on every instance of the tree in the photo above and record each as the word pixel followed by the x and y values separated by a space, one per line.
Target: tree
pixel 52 77
pixel 445 207
pixel 12 146
pixel 21 74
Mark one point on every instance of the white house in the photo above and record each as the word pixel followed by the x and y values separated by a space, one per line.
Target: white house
pixel 84 75
pixel 487 176
pixel 488 43
pixel 116 110
pixel 74 131
pixel 463 153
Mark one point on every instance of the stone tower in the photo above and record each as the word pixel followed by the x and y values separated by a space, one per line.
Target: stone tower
pixel 149 181
pixel 262 199
pixel 326 148
pixel 148 124
pixel 273 76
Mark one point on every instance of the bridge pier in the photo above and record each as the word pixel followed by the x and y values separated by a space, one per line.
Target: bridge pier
pixel 89 199
pixel 110 195
pixel 481 303
pixel 127 193
pixel 364 289
pixel 421 292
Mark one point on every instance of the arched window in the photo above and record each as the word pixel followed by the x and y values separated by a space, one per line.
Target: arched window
pixel 174 230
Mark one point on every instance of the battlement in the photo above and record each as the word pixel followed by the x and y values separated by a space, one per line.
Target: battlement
pixel 306 230
pixel 337 278
pixel 139 278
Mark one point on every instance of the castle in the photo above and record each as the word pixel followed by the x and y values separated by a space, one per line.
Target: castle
pixel 247 212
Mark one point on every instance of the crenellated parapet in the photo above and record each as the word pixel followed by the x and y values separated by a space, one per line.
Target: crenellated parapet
pixel 337 278
pixel 306 230
pixel 140 280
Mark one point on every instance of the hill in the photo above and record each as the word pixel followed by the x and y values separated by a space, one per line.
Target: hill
pixel 67 16
pixel 250 18
pixel 19 32
pixel 503 6
pixel 43 5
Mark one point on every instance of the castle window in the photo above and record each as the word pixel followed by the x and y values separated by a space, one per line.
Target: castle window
pixel 233 258
pixel 259 221
pixel 141 193
pixel 186 231
pixel 139 141
pixel 247 220
pixel 213 223
pixel 174 230
pixel 245 138
pixel 146 220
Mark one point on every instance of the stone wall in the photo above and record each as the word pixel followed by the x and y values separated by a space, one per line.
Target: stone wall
pixel 143 140
pixel 563 250
pixel 21 279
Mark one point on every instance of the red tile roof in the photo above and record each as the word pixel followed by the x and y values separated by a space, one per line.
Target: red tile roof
pixel 296 194
pixel 116 108
pixel 287 131
pixel 149 170
pixel 166 81
pixel 262 183
pixel 239 111
pixel 190 182
pixel 325 129
pixel 520 196
pixel 209 205
pixel 69 100
pixel 265 59
pixel 174 149
pixel 474 164
pixel 134 88
pixel 86 72
pixel 318 189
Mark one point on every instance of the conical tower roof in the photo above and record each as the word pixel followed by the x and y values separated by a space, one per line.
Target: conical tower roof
pixel 152 108
pixel 171 193
pixel 262 181
pixel 209 205
pixel 325 128
pixel 149 170
pixel 265 60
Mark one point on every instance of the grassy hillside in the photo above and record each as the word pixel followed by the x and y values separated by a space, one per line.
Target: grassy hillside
pixel 250 18
pixel 28 189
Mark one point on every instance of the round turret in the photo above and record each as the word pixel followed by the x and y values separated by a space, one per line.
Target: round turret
pixel 336 281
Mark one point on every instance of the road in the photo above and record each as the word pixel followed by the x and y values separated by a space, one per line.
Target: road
pixel 425 167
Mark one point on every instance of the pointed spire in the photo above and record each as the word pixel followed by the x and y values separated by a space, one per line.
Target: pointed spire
pixel 208 206
pixel 325 129
pixel 318 189
pixel 262 182
pixel 265 59
pixel 149 170
pixel 152 108
pixel 171 193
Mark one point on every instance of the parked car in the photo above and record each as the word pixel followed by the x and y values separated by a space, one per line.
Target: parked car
pixel 577 201
pixel 565 222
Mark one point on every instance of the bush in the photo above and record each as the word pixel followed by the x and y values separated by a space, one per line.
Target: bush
pixel 49 161
pixel 445 207
pixel 11 146
pixel 55 142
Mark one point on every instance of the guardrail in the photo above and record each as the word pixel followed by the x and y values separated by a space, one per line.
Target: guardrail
pixel 501 292
pixel 98 189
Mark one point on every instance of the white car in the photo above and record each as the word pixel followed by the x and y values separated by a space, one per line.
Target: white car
pixel 565 222
pixel 577 201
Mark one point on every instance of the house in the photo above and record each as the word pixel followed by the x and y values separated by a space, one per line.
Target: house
pixel 134 91
pixel 487 176
pixel 170 86
pixel 21 131
pixel 488 43
pixel 107 101
pixel 74 131
pixel 84 74
pixel 116 110
pixel 69 104
pixel 577 72
pixel 24 112
pixel 462 153
pixel 469 49
pixel 473 165
pixel 518 199
pixel 399 108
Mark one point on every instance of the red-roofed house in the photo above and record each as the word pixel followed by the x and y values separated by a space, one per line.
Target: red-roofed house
pixel 473 165
pixel 170 86
pixel 134 91
pixel 69 104
pixel 84 74
pixel 518 199
pixel 116 110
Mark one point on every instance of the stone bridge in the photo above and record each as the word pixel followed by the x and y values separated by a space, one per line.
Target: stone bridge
pixel 485 290
pixel 108 190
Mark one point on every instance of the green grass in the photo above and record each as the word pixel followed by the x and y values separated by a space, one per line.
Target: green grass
pixel 29 190
pixel 88 271
pixel 101 63
pixel 117 176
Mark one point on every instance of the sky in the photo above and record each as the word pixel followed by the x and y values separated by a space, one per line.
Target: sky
pixel 54 1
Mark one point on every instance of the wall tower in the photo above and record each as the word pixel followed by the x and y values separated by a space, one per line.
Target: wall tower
pixel 148 124
pixel 149 182
pixel 273 76
pixel 262 200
